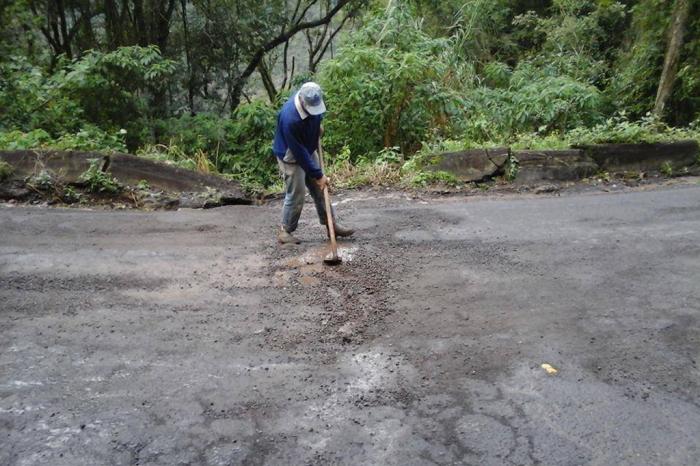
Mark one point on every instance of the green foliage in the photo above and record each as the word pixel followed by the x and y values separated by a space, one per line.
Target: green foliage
pixel 619 129
pixel 239 147
pixel 44 181
pixel 104 89
pixel 171 154
pixel 15 20
pixel 481 31
pixel 70 195
pixel 384 170
pixel 143 185
pixel 512 167
pixel 97 181
pixel 637 72
pixel 17 140
pixel 552 141
pixel 425 178
pixel 6 170
pixel 250 157
pixel 533 101
pixel 666 169
pixel 30 100
pixel 109 86
pixel 389 86
pixel 88 138
pixel 579 37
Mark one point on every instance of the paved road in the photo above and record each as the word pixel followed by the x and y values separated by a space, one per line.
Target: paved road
pixel 190 338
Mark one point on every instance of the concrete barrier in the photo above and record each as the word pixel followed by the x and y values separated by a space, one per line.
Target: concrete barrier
pixel 617 158
pixel 570 164
pixel 130 169
pixel 66 165
pixel 127 169
pixel 553 165
pixel 471 165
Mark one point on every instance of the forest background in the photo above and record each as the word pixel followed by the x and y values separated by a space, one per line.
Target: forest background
pixel 198 82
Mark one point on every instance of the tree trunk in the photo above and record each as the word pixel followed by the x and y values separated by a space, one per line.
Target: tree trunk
pixel 673 51
pixel 267 81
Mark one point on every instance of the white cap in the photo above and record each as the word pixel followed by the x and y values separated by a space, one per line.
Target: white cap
pixel 311 96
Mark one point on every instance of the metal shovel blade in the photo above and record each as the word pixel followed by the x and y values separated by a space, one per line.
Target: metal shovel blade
pixel 332 259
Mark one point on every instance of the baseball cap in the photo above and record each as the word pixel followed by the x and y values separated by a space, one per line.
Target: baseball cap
pixel 312 96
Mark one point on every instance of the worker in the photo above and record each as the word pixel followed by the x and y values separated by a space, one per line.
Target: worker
pixel 296 146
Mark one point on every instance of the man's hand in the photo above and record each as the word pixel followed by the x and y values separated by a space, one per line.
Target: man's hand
pixel 323 182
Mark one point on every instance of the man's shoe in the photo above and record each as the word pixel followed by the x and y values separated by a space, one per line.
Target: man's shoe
pixel 340 231
pixel 284 237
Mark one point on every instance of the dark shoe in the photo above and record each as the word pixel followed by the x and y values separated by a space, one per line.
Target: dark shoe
pixel 341 231
pixel 284 237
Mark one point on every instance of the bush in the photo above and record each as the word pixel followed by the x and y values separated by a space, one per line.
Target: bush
pixel 109 90
pixel 70 195
pixel 666 169
pixel 240 147
pixel 97 181
pixel 173 154
pixel 382 171
pixel 89 138
pixel 44 181
pixel 425 178
pixel 18 140
pixel 619 129
pixel 533 101
pixel 6 170
pixel 389 86
pixel 249 158
pixel 30 100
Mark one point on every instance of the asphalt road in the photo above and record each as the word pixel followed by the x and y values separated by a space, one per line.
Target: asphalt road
pixel 190 338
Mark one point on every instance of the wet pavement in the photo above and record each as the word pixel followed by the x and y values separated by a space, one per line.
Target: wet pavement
pixel 190 337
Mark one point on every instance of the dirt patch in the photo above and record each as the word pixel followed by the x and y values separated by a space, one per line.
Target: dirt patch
pixel 351 297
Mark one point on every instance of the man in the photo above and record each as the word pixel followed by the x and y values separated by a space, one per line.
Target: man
pixel 296 147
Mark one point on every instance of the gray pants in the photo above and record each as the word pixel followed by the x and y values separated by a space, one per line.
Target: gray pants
pixel 295 184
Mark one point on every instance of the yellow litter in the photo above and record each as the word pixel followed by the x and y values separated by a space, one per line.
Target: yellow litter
pixel 549 369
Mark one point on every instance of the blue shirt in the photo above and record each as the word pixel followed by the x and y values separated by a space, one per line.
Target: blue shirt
pixel 299 132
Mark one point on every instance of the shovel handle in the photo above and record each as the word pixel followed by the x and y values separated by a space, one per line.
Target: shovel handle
pixel 329 221
pixel 327 201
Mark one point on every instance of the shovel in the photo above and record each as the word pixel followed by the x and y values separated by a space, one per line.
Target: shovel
pixel 332 258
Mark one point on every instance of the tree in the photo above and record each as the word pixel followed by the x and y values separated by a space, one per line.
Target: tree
pixel 291 26
pixel 679 20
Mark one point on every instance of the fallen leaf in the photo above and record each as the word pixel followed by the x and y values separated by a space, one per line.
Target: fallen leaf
pixel 549 369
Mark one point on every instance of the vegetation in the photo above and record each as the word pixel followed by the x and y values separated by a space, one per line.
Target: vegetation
pixel 98 181
pixel 198 84
pixel 44 181
pixel 6 170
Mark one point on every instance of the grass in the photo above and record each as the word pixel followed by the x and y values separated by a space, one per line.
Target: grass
pixel 426 178
pixel 172 154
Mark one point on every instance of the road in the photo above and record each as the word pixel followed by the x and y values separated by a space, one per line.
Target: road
pixel 190 337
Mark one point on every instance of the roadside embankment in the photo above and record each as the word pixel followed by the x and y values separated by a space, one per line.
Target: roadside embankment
pixel 577 163
pixel 113 179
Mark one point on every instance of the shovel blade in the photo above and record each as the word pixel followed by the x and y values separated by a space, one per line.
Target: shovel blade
pixel 332 259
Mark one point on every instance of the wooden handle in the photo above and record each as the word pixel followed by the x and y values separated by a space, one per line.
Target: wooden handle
pixel 320 154
pixel 329 212
pixel 329 220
